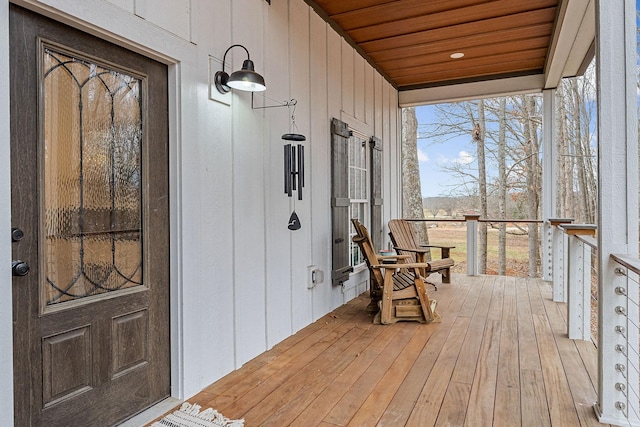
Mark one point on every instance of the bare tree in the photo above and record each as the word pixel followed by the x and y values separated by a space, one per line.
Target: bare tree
pixel 534 178
pixel 411 188
pixel 477 135
pixel 577 187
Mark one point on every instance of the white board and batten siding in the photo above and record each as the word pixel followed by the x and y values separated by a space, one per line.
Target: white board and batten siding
pixel 239 276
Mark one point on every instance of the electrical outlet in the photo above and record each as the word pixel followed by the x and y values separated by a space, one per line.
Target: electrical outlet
pixel 315 276
pixel 310 270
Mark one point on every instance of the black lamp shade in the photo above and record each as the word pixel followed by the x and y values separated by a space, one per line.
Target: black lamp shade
pixel 246 78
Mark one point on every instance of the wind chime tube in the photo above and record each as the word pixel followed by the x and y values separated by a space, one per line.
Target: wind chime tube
pixel 287 169
pixel 300 170
pixel 292 167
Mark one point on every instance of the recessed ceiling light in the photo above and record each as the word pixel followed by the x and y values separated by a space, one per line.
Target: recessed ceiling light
pixel 456 55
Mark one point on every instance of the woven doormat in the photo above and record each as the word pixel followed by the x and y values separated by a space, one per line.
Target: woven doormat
pixel 191 416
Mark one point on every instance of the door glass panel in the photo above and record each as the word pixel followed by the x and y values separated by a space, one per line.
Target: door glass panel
pixel 92 178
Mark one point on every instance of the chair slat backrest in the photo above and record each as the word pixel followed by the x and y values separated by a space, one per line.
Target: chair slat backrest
pixel 363 241
pixel 403 235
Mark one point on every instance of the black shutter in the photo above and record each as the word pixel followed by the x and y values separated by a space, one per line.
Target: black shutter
pixel 340 202
pixel 376 192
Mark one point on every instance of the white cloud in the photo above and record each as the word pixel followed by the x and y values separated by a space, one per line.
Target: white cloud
pixel 422 156
pixel 464 158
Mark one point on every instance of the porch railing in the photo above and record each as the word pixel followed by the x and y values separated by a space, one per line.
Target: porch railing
pixel 574 280
pixel 472 223
pixel 624 319
pixel 472 237
pixel 613 326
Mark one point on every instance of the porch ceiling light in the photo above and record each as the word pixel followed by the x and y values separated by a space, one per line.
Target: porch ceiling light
pixel 244 79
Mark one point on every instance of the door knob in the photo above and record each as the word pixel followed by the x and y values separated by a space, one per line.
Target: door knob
pixel 16 234
pixel 19 268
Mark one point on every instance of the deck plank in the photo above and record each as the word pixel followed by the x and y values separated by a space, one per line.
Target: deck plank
pixel 298 392
pixel 359 391
pixel 499 357
pixel 454 405
pixel 507 411
pixel 483 391
pixel 561 407
pixel 376 403
pixel 529 357
pixel 240 382
pixel 533 401
pixel 344 334
pixel 475 288
pixel 425 411
pixel 495 308
pixel 582 389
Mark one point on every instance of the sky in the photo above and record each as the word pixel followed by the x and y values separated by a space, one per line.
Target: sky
pixel 434 156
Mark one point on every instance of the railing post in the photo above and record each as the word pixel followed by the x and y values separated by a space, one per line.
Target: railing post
pixel 549 179
pixel 560 260
pixel 472 244
pixel 579 299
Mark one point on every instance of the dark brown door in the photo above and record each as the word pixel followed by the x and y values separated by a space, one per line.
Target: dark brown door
pixel 90 208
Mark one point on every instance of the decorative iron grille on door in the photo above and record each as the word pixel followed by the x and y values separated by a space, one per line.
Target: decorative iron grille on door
pixel 92 177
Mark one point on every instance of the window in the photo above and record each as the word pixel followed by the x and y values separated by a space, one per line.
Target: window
pixel 358 190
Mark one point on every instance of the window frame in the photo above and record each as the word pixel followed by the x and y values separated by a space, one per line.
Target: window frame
pixel 362 205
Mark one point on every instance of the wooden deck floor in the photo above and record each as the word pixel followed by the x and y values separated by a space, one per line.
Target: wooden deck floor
pixel 499 357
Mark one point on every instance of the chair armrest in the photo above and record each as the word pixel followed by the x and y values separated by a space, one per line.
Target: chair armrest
pixel 444 249
pixel 416 250
pixel 407 265
pixel 391 257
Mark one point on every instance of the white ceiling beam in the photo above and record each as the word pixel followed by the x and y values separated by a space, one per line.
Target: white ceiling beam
pixel 572 39
pixel 475 90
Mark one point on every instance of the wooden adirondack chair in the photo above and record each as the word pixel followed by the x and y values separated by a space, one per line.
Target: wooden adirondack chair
pixel 400 295
pixel 404 239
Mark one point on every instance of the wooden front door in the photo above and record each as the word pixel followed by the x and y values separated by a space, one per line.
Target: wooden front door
pixel 90 218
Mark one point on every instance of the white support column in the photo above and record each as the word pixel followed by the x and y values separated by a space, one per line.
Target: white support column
pixel 472 244
pixel 579 304
pixel 617 198
pixel 549 178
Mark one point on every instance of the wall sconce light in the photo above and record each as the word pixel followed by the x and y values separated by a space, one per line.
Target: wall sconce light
pixel 244 79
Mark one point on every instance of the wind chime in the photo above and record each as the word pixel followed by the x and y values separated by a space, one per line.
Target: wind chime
pixel 293 166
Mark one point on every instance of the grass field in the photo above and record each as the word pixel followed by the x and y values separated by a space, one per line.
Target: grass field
pixel 451 233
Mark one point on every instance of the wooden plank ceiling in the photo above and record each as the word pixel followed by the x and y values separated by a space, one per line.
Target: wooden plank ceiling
pixel 411 41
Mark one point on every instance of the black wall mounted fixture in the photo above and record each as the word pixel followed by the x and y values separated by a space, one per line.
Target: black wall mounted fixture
pixel 244 79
